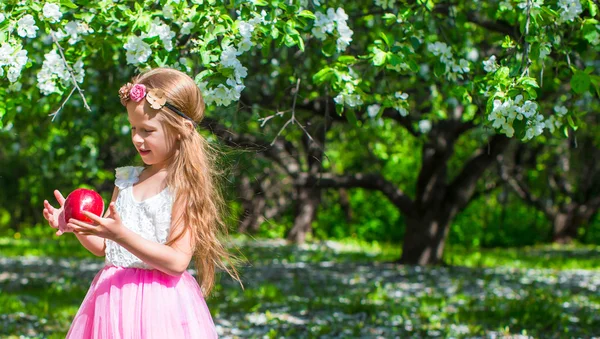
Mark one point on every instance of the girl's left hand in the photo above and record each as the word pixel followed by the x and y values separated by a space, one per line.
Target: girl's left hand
pixel 109 228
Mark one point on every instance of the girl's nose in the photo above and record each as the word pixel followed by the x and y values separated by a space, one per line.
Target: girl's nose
pixel 137 139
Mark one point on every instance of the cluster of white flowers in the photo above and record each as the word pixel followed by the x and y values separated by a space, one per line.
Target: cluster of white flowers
pixel 490 64
pixel 545 49
pixel 73 30
pixel 53 69
pixel 400 103
pixel 348 96
pixel 506 4
pixel 163 31
pixel 52 12
pixel 335 19
pixel 552 123
pixel 138 51
pixel 13 57
pixel 246 28
pixel 226 94
pixel 535 6
pixel 454 69
pixel 425 126
pixel 26 27
pixel 505 112
pixel 385 4
pixel 568 10
pixel 373 110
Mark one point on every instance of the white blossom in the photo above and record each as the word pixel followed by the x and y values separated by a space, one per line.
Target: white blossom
pixel 560 110
pixel 168 11
pixel 385 4
pixel 52 12
pixel 545 49
pixel 53 70
pixel 506 4
pixel 373 110
pixel 327 23
pixel 569 10
pixel 552 123
pixel 490 64
pixel 2 17
pixel 425 126
pixel 163 31
pixel 75 28
pixel 245 29
pixel 401 95
pixel 504 113
pixel 26 27
pixel 13 57
pixel 535 5
pixel 138 51
pixel 187 28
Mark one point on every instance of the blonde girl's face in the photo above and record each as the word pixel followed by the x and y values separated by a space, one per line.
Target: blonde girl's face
pixel 155 144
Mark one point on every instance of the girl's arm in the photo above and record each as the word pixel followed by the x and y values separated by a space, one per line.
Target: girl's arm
pixel 171 259
pixel 93 243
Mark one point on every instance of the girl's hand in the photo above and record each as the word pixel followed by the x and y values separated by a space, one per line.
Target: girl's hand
pixel 108 228
pixel 56 217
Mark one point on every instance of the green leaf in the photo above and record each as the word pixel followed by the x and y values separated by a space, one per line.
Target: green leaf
pixel 529 81
pixel 580 82
pixel 323 75
pixel 415 42
pixel 593 7
pixel 68 4
pixel 351 117
pixel 572 122
pixel 328 48
pixel 395 60
pixel 307 14
pixel 502 73
pixel 379 57
pixel 389 18
pixel 412 64
pixel 388 40
pixel 346 59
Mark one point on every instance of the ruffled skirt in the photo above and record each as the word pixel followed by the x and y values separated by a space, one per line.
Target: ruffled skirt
pixel 135 303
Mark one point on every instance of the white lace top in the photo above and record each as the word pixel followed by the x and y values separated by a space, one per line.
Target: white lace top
pixel 150 218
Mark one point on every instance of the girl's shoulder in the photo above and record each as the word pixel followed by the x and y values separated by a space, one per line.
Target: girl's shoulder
pixel 127 175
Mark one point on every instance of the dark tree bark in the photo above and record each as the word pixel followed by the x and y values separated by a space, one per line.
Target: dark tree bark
pixel 429 214
pixel 568 205
pixel 309 197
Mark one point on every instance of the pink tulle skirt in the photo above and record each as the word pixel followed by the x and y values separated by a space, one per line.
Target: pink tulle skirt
pixel 134 303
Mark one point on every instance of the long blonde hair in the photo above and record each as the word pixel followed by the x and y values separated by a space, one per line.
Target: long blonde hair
pixel 193 176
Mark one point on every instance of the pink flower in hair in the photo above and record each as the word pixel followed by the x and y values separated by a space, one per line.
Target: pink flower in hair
pixel 137 92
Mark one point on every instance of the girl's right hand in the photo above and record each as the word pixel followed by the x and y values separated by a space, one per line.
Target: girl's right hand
pixel 55 216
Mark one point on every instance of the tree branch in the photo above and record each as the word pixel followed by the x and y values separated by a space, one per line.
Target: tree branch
pixel 463 186
pixel 368 181
pixel 276 152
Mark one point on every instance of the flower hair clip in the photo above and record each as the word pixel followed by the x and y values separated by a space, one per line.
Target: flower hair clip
pixel 155 97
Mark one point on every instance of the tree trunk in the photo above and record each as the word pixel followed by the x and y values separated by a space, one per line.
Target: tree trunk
pixel 308 202
pixel 253 203
pixel 425 238
pixel 564 228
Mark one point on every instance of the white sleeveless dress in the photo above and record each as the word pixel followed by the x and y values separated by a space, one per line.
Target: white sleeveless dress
pixel 130 299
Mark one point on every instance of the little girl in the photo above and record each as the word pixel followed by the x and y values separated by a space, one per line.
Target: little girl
pixel 160 215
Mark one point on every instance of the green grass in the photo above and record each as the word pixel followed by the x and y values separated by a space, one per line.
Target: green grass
pixel 340 289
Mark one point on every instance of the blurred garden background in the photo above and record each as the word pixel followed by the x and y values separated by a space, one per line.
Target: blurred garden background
pixel 393 168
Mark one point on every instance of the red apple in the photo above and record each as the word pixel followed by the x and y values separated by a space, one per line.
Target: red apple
pixel 80 200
